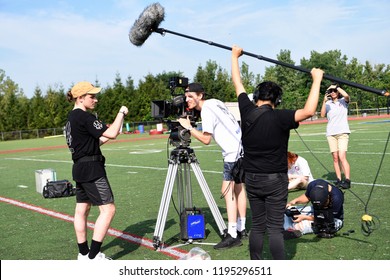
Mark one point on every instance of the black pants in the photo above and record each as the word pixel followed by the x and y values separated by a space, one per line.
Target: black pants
pixel 267 195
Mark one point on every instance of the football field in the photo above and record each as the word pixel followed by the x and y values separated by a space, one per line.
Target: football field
pixel 35 228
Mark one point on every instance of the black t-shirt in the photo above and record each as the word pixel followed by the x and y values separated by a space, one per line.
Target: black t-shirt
pixel 265 142
pixel 83 130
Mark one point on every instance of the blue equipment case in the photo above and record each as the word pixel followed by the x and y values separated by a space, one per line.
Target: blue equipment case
pixel 192 224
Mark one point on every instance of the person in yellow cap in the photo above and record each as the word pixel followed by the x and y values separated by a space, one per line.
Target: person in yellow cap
pixel 84 135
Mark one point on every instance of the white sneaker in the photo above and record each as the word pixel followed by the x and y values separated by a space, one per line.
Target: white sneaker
pixel 81 257
pixel 101 257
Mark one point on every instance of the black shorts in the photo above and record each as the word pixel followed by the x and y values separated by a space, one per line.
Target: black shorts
pixel 97 192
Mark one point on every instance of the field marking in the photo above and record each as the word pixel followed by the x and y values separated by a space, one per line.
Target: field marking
pixel 145 152
pixel 142 241
pixel 349 152
pixel 107 164
pixel 165 169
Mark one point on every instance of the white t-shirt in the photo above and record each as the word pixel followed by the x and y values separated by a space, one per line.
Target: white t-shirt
pixel 220 122
pixel 301 167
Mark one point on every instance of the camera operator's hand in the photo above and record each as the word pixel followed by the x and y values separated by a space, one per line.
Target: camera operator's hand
pixel 300 218
pixel 290 204
pixel 185 122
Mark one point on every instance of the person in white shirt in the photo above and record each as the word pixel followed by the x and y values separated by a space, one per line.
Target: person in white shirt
pixel 299 174
pixel 335 109
pixel 218 123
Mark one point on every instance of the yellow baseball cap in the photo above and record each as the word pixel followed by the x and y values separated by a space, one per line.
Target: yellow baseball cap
pixel 84 87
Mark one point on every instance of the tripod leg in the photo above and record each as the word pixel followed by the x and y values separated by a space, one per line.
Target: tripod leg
pixel 184 190
pixel 188 189
pixel 180 189
pixel 210 200
pixel 164 205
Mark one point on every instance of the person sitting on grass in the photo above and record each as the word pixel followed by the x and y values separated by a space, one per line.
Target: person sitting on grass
pixel 299 174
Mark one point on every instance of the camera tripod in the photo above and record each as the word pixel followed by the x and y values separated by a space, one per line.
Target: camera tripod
pixel 180 161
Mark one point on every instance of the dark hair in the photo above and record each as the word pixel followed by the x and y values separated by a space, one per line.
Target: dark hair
pixel 338 93
pixel 268 91
pixel 69 96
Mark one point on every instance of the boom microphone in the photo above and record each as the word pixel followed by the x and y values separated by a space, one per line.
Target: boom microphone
pixel 153 15
pixel 148 22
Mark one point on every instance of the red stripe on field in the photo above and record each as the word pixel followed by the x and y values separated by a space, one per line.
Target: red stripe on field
pixel 172 252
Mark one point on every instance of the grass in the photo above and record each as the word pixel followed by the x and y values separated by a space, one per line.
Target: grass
pixel 137 168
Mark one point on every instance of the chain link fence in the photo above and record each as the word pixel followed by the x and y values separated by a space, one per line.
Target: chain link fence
pixel 145 127
pixel 130 127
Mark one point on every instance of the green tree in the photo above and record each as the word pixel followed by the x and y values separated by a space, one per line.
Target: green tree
pixel 11 114
pixel 295 90
pixel 56 108
pixel 38 113
pixel 216 81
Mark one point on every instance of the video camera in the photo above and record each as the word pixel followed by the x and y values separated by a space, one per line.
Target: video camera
pixel 175 108
pixel 323 225
pixel 291 212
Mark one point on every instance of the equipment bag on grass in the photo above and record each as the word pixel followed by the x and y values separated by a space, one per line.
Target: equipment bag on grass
pixel 62 188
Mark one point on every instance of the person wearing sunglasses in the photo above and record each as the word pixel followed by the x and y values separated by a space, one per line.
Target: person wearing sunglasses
pixel 335 109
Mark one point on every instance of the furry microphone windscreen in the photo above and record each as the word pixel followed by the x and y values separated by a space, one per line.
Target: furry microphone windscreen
pixel 147 22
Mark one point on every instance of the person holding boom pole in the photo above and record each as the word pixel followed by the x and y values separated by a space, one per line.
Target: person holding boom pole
pixel 265 143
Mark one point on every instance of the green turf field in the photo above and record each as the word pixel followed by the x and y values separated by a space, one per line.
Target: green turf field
pixel 36 228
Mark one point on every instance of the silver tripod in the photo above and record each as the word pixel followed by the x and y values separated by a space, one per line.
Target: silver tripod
pixel 180 161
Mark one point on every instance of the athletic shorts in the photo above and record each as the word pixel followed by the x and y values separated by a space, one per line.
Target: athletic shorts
pixel 338 142
pixel 96 192
pixel 227 171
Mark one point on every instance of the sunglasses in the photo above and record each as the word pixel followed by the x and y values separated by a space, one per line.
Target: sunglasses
pixel 332 90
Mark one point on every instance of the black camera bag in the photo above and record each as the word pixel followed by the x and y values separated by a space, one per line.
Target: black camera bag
pixel 291 212
pixel 62 188
pixel 238 172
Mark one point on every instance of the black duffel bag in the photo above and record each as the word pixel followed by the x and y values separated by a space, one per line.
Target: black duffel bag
pixel 62 188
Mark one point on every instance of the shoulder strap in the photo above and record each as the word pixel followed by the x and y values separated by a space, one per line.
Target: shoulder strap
pixel 254 115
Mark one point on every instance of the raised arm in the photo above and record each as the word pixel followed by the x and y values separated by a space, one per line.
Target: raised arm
pixel 323 106
pixel 343 94
pixel 236 77
pixel 113 131
pixel 312 100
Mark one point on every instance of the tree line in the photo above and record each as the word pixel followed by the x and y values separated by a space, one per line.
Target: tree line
pixel 49 109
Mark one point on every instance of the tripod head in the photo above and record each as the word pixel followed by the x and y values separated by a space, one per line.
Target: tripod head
pixel 179 136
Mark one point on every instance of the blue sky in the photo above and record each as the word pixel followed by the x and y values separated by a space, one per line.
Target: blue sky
pixel 53 43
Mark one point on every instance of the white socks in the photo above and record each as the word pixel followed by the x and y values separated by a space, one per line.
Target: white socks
pixel 232 229
pixel 241 224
